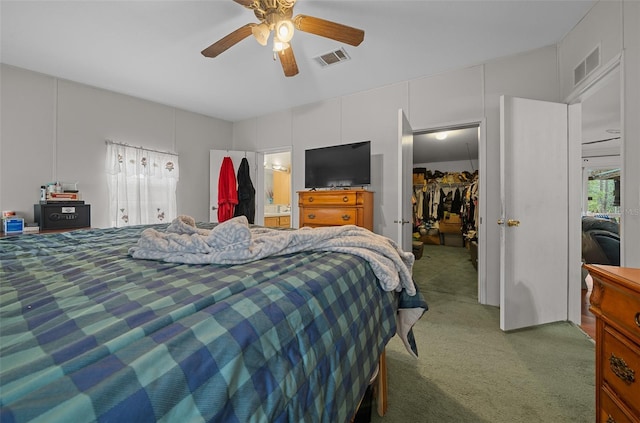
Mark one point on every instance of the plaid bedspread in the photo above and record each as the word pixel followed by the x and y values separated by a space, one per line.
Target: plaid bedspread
pixel 89 334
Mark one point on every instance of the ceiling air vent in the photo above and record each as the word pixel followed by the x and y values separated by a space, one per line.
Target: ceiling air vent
pixel 332 57
pixel 587 66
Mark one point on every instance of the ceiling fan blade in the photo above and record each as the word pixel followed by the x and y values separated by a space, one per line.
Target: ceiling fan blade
pixel 229 41
pixel 288 61
pixel 328 29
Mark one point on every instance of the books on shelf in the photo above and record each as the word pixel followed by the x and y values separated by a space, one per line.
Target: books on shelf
pixel 63 196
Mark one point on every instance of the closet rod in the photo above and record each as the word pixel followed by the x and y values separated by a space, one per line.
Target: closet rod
pixel 448 184
pixel 140 148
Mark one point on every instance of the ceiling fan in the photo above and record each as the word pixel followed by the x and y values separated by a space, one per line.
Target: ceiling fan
pixel 276 15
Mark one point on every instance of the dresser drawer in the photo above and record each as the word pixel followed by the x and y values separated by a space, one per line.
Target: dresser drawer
pixel 621 367
pixel 620 306
pixel 328 198
pixel 328 217
pixel 611 411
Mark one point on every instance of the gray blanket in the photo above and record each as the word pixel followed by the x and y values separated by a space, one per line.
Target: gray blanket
pixel 234 242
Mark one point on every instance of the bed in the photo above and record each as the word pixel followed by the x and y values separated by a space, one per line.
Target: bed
pixel 90 333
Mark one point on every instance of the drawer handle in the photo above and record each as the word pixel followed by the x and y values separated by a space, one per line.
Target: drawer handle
pixel 610 419
pixel 346 217
pixel 311 216
pixel 620 368
pixel 637 319
pixel 345 199
pixel 311 199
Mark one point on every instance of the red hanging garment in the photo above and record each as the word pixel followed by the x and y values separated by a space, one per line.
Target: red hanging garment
pixel 227 190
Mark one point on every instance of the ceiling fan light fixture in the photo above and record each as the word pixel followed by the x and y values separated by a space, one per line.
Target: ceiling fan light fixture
pixel 261 33
pixel 284 30
pixel 279 45
pixel 277 16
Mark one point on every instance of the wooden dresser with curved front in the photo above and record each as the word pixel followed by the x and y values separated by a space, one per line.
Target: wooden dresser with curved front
pixel 615 301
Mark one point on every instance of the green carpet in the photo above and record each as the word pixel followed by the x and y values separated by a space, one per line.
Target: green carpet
pixel 471 371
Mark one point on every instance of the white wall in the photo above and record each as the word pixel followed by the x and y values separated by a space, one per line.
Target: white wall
pixel 600 27
pixel 369 115
pixel 54 129
pixel 631 136
pixel 196 134
pixel 373 115
pixel 27 131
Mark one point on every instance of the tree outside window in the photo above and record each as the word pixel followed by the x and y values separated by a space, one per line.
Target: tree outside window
pixel 603 191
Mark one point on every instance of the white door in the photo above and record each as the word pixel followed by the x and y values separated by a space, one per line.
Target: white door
pixel 405 175
pixel 215 161
pixel 534 212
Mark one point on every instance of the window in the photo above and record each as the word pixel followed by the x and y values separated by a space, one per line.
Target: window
pixel 603 192
pixel 142 185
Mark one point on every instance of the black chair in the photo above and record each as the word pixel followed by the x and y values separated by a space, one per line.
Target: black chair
pixel 600 241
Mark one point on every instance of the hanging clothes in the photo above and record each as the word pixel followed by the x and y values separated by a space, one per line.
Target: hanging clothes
pixel 227 191
pixel 246 193
pixel 456 204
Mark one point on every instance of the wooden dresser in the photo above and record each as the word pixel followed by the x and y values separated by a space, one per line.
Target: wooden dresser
pixel 615 301
pixel 336 208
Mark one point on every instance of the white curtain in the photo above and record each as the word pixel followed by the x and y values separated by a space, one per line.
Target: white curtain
pixel 142 185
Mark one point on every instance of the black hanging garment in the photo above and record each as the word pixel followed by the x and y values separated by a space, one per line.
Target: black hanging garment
pixel 441 205
pixel 456 205
pixel 246 193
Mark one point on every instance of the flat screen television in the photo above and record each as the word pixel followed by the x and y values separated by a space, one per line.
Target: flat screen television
pixel 338 166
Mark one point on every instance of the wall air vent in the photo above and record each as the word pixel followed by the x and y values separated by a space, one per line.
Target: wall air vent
pixel 587 66
pixel 332 57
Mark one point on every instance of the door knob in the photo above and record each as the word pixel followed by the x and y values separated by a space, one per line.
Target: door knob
pixel 510 222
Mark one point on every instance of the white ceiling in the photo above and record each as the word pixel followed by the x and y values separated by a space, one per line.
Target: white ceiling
pixel 460 144
pixel 601 120
pixel 151 49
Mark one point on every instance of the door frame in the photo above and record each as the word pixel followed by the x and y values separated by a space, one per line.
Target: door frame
pixel 405 213
pixel 261 180
pixel 254 157
pixel 482 189
pixel 593 83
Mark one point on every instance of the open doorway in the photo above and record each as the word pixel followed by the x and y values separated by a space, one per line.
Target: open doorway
pixel 446 166
pixel 277 189
pixel 601 200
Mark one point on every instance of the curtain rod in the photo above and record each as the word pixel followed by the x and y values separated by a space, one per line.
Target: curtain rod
pixel 140 148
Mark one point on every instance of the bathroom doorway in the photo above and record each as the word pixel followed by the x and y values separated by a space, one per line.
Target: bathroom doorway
pixel 277 189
